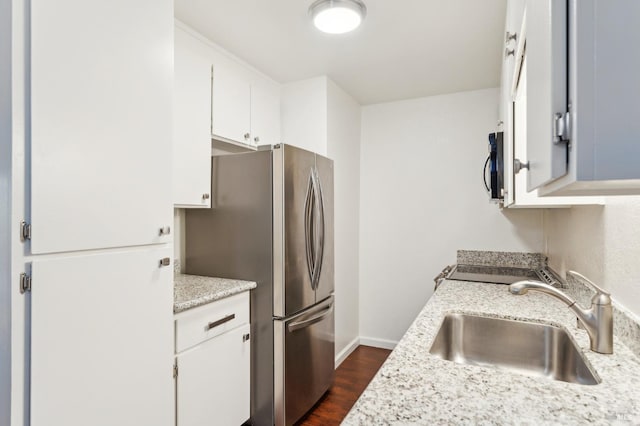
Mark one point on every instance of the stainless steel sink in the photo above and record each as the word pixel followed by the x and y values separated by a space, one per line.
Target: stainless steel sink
pixel 524 347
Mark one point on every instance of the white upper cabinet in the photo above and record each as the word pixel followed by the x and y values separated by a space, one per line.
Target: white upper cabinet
pixel 515 10
pixel 191 123
pixel 243 112
pixel 219 103
pixel 265 116
pixel 101 112
pixel 586 144
pixel 230 106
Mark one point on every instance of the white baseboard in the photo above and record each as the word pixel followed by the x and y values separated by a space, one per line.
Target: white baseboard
pixel 378 343
pixel 343 354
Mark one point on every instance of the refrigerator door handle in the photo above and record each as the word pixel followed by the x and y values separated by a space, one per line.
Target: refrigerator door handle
pixel 320 228
pixel 308 228
pixel 314 319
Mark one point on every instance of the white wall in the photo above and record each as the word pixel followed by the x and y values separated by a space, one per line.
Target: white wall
pixel 343 146
pixel 422 198
pixel 303 108
pixel 602 243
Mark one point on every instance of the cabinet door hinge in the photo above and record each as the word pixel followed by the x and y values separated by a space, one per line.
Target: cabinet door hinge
pixel 175 370
pixel 561 128
pixel 25 282
pixel 25 231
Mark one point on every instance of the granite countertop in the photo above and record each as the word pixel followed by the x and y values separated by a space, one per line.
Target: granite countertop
pixel 190 291
pixel 415 387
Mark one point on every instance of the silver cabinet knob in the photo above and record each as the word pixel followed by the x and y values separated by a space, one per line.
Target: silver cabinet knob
pixel 247 136
pixel 519 165
pixel 165 261
pixel 510 36
pixel 509 52
pixel 205 196
pixel 165 230
pixel 256 139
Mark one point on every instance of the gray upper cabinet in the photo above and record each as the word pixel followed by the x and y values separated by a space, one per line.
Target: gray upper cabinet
pixel 519 90
pixel 545 48
pixel 583 96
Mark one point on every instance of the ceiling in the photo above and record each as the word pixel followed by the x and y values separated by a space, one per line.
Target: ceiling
pixel 404 48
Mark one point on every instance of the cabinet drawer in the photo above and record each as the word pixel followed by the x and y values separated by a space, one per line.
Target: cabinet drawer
pixel 211 320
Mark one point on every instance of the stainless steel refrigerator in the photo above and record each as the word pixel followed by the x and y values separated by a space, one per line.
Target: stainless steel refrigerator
pixel 271 222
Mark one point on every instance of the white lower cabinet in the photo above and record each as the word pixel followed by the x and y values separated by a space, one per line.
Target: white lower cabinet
pixel 101 339
pixel 213 377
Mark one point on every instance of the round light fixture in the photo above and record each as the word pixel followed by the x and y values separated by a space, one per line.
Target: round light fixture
pixel 337 16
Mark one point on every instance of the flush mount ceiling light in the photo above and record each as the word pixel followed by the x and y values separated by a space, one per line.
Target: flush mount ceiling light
pixel 337 16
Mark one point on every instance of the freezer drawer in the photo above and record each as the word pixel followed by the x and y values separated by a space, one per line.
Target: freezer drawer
pixel 304 360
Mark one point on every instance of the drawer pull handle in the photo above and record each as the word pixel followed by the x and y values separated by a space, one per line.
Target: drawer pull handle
pixel 219 322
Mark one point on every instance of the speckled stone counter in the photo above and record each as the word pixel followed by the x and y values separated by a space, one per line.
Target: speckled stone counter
pixel 190 291
pixel 415 387
pixel 501 258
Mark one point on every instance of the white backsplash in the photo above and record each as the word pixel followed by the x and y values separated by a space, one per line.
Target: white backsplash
pixel 602 243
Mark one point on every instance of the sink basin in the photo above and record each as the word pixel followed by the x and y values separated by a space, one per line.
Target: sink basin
pixel 519 346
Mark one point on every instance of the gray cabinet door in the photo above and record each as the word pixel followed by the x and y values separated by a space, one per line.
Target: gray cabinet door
pixel 546 51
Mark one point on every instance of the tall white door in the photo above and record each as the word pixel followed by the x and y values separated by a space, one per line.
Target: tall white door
pixel 101 114
pixel 191 123
pixel 102 340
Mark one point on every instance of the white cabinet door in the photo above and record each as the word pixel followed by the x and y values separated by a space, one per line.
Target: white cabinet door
pixel 513 25
pixel 101 113
pixel 214 381
pixel 230 106
pixel 102 340
pixel 546 49
pixel 191 123
pixel 265 116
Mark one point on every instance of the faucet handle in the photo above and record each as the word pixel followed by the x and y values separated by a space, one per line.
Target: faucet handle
pixel 588 281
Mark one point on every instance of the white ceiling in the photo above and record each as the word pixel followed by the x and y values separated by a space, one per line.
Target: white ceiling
pixel 404 49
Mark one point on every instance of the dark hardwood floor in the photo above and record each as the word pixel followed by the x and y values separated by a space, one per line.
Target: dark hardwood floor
pixel 352 377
